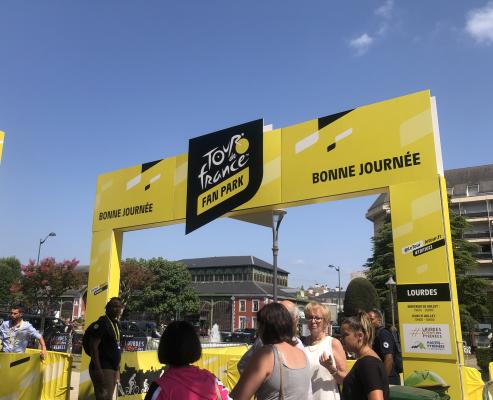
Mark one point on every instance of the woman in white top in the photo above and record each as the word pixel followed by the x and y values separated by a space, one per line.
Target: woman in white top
pixel 327 357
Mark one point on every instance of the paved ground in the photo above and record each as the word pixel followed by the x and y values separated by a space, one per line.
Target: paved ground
pixel 74 382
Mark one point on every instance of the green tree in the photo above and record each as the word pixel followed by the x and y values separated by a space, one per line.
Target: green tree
pixel 471 290
pixel 10 273
pixel 43 285
pixel 360 295
pixel 381 266
pixel 133 278
pixel 170 292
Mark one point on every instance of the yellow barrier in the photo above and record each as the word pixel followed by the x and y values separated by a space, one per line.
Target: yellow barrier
pixel 26 377
pixel 473 384
pixel 139 369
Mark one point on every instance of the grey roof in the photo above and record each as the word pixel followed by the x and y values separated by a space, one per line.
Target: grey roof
pixel 458 178
pixel 82 268
pixel 237 289
pixel 461 177
pixel 75 292
pixel 228 261
pixel 328 296
pixel 381 199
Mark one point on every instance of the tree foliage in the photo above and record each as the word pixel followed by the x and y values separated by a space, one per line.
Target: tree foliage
pixel 381 266
pixel 360 295
pixel 169 292
pixel 10 273
pixel 471 290
pixel 134 276
pixel 43 285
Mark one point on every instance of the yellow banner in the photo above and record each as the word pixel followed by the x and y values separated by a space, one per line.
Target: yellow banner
pixel 25 376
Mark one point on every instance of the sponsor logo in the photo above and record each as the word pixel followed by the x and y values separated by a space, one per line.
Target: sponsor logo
pixel 427 338
pixel 225 170
pixel 98 289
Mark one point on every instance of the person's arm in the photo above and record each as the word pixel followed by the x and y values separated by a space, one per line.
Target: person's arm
pixel 376 395
pixel 32 332
pixel 95 357
pixel 387 348
pixel 338 369
pixel 257 371
pixel 340 359
pixel 388 362
pixel 248 355
pixel 42 345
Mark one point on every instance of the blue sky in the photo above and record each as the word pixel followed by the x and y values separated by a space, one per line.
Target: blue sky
pixel 94 86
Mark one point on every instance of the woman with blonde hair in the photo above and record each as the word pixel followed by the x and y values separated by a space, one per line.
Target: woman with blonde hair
pixel 367 380
pixel 327 358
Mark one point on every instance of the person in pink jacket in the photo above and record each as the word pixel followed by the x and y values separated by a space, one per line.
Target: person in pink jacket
pixel 178 348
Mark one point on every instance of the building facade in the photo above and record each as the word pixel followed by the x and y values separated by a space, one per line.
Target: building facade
pixel 232 289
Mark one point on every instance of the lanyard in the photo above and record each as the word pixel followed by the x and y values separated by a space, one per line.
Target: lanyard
pixel 116 331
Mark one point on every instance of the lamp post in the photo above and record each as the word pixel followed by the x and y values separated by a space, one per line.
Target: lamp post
pixel 391 283
pixel 41 242
pixel 232 314
pixel 338 269
pixel 277 216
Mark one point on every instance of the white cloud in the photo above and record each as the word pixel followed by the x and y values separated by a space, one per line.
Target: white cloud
pixel 385 10
pixel 298 261
pixel 384 13
pixel 361 44
pixel 479 24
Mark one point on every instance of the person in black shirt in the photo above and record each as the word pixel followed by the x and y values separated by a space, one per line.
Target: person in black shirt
pixel 367 379
pixel 104 368
pixel 385 346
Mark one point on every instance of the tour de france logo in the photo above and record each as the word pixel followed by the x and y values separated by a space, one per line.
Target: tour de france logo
pixel 225 170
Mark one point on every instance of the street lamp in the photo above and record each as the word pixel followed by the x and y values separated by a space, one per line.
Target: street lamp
pixel 277 216
pixel 338 269
pixel 391 283
pixel 41 242
pixel 232 314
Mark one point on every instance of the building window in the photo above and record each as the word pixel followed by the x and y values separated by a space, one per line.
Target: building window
pixel 472 190
pixel 254 305
pixel 242 305
pixel 450 191
pixel 254 322
pixel 243 322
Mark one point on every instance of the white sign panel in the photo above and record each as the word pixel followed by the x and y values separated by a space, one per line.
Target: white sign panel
pixel 427 338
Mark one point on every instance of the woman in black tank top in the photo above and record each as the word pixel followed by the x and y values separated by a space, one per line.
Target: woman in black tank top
pixel 367 379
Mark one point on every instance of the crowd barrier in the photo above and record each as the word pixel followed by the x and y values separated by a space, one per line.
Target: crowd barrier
pixel 139 369
pixel 25 376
